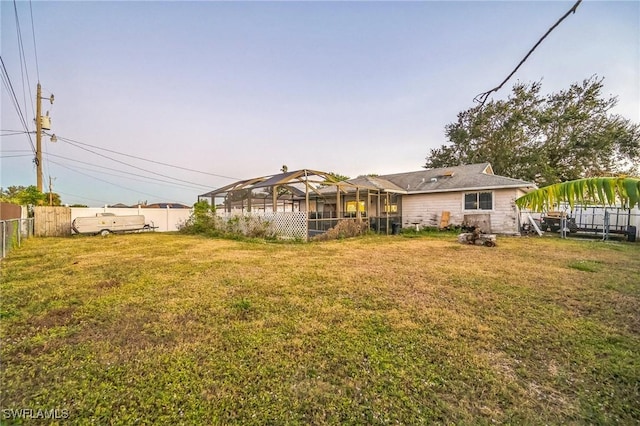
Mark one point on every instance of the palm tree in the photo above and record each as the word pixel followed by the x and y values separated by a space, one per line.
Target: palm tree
pixel 601 190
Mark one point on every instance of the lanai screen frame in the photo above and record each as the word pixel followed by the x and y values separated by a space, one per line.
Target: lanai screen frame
pixel 303 185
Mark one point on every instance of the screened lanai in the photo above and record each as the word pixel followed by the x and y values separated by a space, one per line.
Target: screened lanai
pixel 322 198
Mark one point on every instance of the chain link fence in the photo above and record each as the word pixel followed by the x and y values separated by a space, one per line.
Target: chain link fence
pixel 13 232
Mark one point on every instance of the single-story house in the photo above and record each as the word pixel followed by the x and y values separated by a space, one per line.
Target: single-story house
pixel 470 194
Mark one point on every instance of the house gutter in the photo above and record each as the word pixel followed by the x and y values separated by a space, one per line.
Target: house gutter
pixel 479 188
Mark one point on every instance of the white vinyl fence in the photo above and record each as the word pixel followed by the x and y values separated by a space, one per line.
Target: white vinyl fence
pixel 165 219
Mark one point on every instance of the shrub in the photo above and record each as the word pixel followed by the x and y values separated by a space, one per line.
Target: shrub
pixel 201 221
pixel 345 228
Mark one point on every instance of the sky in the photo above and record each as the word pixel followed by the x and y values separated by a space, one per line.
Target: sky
pixel 234 90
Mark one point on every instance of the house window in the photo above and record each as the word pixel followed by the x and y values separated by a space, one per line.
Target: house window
pixel 351 208
pixel 390 208
pixel 478 201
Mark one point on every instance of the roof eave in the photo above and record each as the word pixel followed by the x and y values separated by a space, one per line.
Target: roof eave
pixel 471 188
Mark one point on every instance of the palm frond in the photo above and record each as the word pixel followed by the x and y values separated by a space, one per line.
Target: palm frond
pixel 601 190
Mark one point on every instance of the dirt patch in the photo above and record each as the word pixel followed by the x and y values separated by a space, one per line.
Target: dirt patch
pixel 55 318
pixel 107 284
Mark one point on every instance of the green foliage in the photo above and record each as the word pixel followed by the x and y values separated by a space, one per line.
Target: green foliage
pixel 334 177
pixel 25 196
pixel 602 190
pixel 201 221
pixel 562 136
pixel 586 265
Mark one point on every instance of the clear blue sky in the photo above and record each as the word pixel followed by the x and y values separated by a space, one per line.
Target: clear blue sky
pixel 240 88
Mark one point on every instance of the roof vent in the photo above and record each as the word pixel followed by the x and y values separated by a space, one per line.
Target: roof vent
pixel 434 179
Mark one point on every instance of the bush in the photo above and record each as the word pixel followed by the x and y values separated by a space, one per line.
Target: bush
pixel 346 228
pixel 201 221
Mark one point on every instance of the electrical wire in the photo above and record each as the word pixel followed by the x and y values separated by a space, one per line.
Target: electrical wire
pixel 82 197
pixel 128 173
pixel 130 165
pixel 13 133
pixel 482 97
pixel 115 184
pixel 35 49
pixel 23 61
pixel 14 99
pixel 67 140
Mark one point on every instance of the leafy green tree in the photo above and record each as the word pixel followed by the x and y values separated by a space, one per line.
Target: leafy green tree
pixel 28 195
pixel 562 136
pixel 10 194
pixel 54 198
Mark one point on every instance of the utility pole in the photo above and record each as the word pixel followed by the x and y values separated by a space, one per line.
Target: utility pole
pixel 50 191
pixel 39 138
pixel 39 128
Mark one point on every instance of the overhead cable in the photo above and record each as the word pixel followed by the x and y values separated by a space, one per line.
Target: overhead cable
pixel 146 159
pixel 35 49
pixel 130 165
pixel 114 184
pixel 482 97
pixel 16 104
pixel 129 173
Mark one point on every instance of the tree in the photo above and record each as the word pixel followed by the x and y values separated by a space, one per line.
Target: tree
pixel 603 190
pixel 28 196
pixel 544 139
pixel 10 194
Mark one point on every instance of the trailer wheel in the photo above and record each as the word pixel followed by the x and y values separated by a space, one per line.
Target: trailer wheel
pixel 104 232
pixel 489 243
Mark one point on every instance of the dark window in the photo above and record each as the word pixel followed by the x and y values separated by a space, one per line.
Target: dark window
pixel 471 201
pixel 478 201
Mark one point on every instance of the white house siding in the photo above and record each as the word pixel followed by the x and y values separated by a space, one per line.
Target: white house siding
pixel 426 209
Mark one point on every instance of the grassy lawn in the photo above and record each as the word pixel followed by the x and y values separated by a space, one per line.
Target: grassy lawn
pixel 171 329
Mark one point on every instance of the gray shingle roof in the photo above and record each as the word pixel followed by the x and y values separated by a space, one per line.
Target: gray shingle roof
pixel 457 178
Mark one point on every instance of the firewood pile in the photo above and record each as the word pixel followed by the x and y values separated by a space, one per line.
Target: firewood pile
pixel 477 237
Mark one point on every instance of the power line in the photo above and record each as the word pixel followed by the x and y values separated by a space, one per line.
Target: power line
pixel 13 133
pixel 82 197
pixel 482 97
pixel 14 99
pixel 67 140
pixel 115 184
pixel 33 33
pixel 128 173
pixel 23 60
pixel 131 165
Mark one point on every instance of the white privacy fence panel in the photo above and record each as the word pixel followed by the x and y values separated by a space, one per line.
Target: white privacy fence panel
pixel 279 224
pixel 165 219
